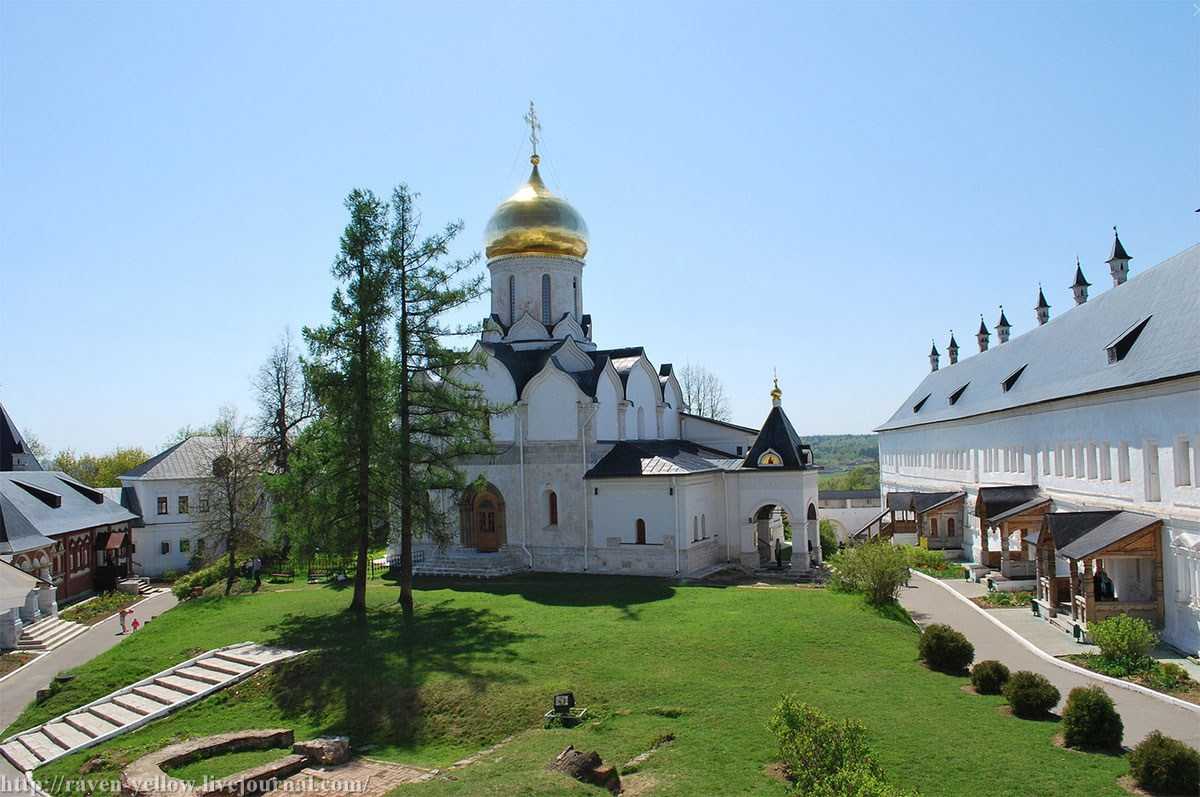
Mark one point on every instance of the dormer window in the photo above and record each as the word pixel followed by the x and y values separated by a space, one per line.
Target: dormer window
pixel 956 395
pixel 770 459
pixel 1124 342
pixel 1013 377
pixel 917 407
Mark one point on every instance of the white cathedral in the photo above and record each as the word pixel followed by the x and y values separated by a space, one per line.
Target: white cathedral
pixel 599 466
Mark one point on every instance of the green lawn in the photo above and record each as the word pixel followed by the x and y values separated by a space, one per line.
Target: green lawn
pixel 647 657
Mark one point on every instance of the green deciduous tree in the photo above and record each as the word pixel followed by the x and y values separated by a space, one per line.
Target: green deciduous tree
pixel 100 470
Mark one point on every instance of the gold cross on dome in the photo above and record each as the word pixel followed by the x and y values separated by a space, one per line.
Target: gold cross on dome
pixel 535 126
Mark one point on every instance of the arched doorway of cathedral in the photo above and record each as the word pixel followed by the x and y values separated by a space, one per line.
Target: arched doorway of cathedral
pixel 771 524
pixel 482 515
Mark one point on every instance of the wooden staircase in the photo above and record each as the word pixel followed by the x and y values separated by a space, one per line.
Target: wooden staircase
pixel 138 704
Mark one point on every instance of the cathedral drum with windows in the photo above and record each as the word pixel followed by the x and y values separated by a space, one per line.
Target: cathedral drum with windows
pixel 599 467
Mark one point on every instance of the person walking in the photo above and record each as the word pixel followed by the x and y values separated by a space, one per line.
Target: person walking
pixel 125 619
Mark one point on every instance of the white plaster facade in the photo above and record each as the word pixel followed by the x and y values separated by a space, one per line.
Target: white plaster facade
pixel 1129 445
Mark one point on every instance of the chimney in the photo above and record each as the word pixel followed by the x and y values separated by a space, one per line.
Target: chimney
pixel 952 349
pixel 1043 307
pixel 1003 327
pixel 1081 285
pixel 1118 261
pixel 933 358
pixel 982 335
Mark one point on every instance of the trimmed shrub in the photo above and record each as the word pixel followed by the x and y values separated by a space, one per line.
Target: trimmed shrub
pixel 1125 643
pixel 857 781
pixel 829 540
pixel 1030 695
pixel 1164 765
pixel 877 569
pixel 945 649
pixel 988 677
pixel 1090 721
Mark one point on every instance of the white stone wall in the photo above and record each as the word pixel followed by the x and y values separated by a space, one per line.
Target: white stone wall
pixel 172 528
pixel 1095 452
pixel 566 277
pixel 716 435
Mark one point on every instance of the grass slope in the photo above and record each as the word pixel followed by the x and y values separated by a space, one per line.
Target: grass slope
pixel 647 657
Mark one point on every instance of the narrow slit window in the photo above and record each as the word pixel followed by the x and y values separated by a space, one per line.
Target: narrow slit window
pixel 917 407
pixel 956 395
pixel 545 298
pixel 512 300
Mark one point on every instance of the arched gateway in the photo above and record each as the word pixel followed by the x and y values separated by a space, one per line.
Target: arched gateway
pixel 482 513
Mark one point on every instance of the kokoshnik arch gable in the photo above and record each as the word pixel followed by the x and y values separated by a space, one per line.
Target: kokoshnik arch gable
pixel 600 466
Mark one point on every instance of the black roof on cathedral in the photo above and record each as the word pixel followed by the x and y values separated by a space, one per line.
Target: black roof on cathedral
pixel 777 434
pixel 1118 251
pixel 11 442
pixel 524 364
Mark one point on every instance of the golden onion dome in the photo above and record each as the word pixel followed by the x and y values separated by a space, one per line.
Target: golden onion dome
pixel 535 222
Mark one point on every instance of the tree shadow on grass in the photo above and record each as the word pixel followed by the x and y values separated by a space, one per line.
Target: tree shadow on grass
pixel 625 593
pixel 365 677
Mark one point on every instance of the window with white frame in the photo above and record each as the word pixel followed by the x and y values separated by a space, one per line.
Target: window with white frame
pixel 162 505
pixel 1183 462
pixel 1150 472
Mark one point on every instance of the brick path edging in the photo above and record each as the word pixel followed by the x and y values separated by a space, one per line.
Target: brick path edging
pixel 1066 665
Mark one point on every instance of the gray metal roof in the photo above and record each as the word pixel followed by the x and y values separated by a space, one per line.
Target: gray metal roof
pixel 1066 356
pixel 911 501
pixel 631 458
pixel 1081 534
pixel 1019 509
pixel 35 505
pixel 189 459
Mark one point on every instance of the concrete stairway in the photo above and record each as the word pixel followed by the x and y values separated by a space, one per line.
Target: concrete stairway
pixel 139 585
pixel 47 634
pixel 468 564
pixel 138 704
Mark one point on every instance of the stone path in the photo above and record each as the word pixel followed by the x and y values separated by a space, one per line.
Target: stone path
pixel 929 602
pixel 138 704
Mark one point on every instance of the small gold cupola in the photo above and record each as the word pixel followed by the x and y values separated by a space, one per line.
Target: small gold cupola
pixel 534 221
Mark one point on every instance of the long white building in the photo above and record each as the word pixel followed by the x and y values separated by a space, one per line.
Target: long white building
pixel 1067 456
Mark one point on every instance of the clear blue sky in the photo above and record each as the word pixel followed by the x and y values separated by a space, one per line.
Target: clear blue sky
pixel 814 188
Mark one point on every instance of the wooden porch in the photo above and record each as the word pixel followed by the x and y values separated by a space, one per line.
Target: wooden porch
pixel 1115 566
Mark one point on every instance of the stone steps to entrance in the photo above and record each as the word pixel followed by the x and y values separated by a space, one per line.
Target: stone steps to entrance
pixel 138 704
pixel 47 634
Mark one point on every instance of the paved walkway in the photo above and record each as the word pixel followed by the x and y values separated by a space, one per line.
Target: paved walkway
pixel 19 690
pixel 930 603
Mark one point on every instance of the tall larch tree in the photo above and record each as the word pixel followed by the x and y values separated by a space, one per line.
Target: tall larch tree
pixel 441 415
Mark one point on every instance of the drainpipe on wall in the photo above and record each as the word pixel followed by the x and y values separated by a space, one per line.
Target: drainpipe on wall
pixel 675 490
pixel 524 505
pixel 583 446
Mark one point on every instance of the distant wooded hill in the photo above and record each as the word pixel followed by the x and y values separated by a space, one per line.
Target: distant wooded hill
pixel 850 461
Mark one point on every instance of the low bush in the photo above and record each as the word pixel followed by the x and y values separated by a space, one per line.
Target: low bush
pixel 1030 695
pixel 1091 721
pixel 946 650
pixel 827 757
pixel 814 746
pixel 204 578
pixel 1167 676
pixel 1125 643
pixel 877 569
pixel 988 677
pixel 829 540
pixel 1164 765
